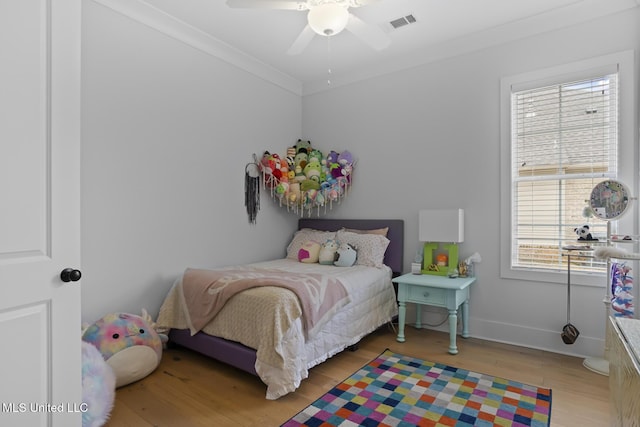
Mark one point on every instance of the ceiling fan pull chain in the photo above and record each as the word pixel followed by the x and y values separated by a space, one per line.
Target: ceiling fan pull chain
pixel 329 60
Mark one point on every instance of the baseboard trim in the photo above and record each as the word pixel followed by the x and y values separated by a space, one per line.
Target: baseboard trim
pixel 512 334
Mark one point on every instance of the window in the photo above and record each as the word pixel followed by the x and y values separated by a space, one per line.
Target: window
pixel 562 139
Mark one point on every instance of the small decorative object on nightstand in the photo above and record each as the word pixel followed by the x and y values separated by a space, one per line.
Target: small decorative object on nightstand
pixel 416 268
pixel 436 291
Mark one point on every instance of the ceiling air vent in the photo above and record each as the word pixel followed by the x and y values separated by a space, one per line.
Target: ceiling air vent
pixel 401 22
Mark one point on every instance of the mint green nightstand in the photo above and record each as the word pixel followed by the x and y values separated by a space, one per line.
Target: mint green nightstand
pixel 436 291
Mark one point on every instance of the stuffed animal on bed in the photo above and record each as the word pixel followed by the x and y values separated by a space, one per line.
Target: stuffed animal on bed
pixel 309 252
pixel 128 343
pixel 328 252
pixel 347 255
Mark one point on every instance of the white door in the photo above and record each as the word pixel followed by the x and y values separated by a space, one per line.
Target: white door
pixel 40 360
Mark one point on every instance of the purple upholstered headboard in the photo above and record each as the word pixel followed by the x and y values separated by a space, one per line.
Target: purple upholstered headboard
pixel 393 255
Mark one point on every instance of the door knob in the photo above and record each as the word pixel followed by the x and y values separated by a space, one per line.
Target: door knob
pixel 70 275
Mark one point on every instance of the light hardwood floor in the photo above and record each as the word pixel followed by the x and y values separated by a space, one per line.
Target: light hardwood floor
pixel 188 389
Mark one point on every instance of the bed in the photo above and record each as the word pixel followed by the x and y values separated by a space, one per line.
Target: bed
pixel 283 347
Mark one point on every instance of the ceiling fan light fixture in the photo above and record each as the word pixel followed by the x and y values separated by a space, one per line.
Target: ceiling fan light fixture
pixel 328 19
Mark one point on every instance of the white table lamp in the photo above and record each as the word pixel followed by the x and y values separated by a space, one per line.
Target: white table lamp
pixel 437 226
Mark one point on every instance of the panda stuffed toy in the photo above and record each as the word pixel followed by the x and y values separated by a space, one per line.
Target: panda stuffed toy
pixel 584 233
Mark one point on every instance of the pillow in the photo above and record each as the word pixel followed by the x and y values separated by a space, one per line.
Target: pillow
pixel 309 252
pixel 380 231
pixel 302 236
pixel 370 247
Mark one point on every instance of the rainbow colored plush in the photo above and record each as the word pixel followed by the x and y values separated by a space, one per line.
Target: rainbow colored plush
pixel 129 344
pixel 98 387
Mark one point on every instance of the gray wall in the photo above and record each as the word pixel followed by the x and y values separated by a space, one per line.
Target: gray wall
pixel 429 137
pixel 168 129
pixel 166 133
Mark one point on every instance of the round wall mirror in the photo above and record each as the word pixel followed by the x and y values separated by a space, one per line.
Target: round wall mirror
pixel 609 200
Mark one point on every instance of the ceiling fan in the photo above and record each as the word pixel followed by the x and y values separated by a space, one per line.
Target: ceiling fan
pixel 325 17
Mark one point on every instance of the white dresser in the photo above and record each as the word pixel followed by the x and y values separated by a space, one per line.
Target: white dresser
pixel 624 371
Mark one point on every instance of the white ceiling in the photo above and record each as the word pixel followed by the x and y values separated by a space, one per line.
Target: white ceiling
pixel 443 28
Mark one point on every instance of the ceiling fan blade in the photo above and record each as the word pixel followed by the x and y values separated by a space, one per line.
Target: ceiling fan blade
pixel 302 41
pixel 370 34
pixel 360 3
pixel 268 4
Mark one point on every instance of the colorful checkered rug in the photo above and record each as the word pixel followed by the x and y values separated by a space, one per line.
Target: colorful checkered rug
pixel 396 390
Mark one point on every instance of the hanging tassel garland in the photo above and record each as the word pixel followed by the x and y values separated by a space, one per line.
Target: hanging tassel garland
pixel 252 191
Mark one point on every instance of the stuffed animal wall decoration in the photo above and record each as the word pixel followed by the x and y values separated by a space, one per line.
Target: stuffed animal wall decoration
pixel 584 233
pixel 98 387
pixel 328 252
pixel 128 343
pixel 347 255
pixel 305 179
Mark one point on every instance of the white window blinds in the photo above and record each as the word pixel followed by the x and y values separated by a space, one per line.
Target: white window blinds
pixel 564 140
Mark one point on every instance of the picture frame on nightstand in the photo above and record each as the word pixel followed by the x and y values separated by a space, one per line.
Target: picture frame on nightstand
pixel 440 258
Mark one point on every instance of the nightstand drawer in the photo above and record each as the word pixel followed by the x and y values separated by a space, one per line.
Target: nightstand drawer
pixel 423 295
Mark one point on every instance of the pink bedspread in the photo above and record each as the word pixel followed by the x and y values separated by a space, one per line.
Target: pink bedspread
pixel 206 291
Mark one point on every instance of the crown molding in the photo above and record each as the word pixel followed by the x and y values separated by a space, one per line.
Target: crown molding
pixel 152 17
pixel 572 14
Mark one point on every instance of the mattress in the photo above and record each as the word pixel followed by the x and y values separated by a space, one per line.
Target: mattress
pixel 283 359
